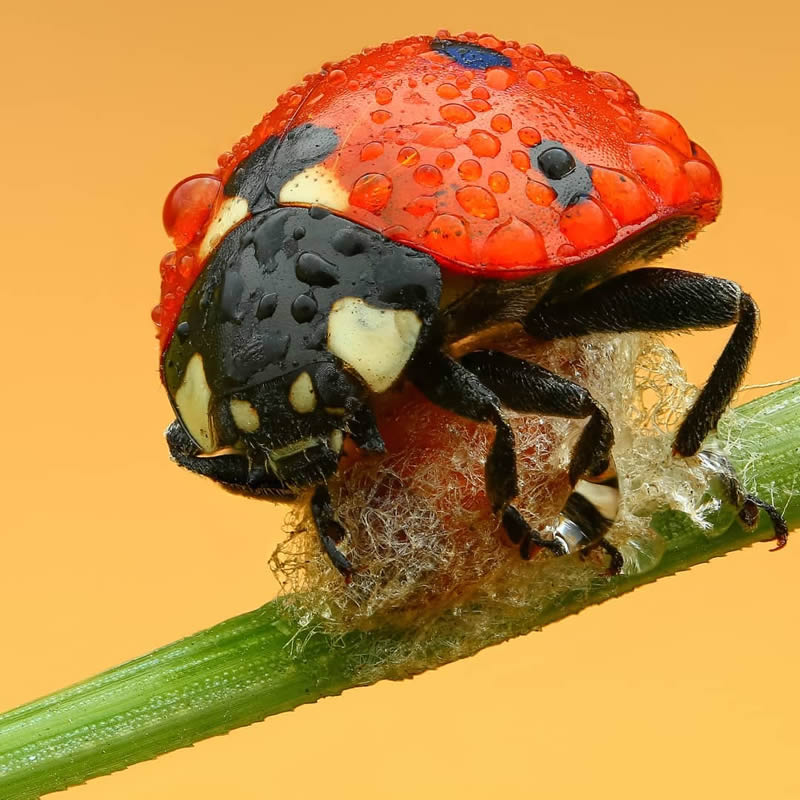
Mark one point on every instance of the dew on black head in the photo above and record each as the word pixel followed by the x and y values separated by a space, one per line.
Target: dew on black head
pixel 267 305
pixel 304 308
pixel 347 242
pixel 182 330
pixel 299 232
pixel 316 271
pixel 318 212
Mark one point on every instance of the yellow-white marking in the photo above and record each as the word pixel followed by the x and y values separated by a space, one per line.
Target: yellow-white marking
pixel 604 498
pixel 244 415
pixel 302 396
pixel 232 211
pixel 192 400
pixel 315 186
pixel 336 440
pixel 375 342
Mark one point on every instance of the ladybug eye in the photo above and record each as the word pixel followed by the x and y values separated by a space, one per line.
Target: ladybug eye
pixel 556 163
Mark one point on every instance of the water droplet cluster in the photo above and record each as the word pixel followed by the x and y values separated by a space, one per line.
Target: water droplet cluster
pixel 439 155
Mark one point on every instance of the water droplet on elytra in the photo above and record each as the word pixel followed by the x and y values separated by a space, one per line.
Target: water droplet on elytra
pixel 529 136
pixel 407 156
pixel 445 160
pixel 470 170
pixel 514 243
pixel 500 78
pixel 536 79
pixel 587 224
pixel 188 206
pixel 498 182
pixel 501 123
pixel 477 201
pixel 427 175
pixel 371 150
pixel 448 91
pixel 539 193
pixel 456 113
pixel 483 144
pixel 371 192
pixel 521 160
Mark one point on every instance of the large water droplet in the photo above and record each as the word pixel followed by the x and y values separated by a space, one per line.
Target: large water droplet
pixel 514 243
pixel 371 150
pixel 188 207
pixel 477 201
pixel 470 170
pixel 448 235
pixel 498 182
pixel 529 136
pixel 456 113
pixel 427 175
pixel 483 144
pixel 623 195
pixel 371 192
pixel 408 156
pixel 587 224
pixel 540 193
pixel 521 160
pixel 500 78
pixel 501 123
pixel 383 96
pixel 448 91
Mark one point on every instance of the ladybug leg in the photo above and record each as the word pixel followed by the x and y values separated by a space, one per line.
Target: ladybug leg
pixel 451 385
pixel 592 507
pixel 233 471
pixel 329 530
pixel 657 299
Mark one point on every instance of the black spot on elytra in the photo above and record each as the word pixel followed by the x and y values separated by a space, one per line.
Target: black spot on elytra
pixel 471 56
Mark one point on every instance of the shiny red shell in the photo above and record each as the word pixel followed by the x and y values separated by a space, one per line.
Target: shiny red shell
pixel 437 156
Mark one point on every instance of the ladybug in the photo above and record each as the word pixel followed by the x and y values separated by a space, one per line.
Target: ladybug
pixel 400 201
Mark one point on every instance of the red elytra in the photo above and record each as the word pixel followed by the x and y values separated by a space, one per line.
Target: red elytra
pixel 423 141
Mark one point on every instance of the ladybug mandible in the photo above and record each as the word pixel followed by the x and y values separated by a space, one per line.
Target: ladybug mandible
pixel 402 200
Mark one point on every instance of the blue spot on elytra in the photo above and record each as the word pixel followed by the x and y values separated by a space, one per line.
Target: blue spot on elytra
pixel 471 56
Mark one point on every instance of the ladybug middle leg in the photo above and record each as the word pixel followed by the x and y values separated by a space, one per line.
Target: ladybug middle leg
pixel 659 299
pixel 476 387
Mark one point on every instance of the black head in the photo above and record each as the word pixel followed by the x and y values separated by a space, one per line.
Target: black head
pixel 297 319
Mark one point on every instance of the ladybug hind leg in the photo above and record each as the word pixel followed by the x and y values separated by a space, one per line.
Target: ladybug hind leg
pixel 661 300
pixel 475 387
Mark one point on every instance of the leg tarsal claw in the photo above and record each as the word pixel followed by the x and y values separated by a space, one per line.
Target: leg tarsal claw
pixel 749 515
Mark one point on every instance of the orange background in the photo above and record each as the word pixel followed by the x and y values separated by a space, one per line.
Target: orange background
pixel 688 688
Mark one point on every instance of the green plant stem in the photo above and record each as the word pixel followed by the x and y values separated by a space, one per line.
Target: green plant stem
pixel 249 667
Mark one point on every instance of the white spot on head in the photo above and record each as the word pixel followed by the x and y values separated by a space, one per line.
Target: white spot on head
pixel 192 401
pixel 244 415
pixel 232 211
pixel 375 342
pixel 302 396
pixel 315 186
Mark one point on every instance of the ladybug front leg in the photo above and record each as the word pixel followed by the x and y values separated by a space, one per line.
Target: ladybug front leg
pixel 329 530
pixel 449 384
pixel 653 299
